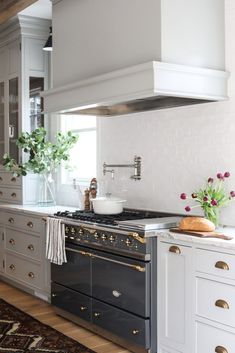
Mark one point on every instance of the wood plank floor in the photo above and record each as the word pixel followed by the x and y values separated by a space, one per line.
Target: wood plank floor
pixel 43 311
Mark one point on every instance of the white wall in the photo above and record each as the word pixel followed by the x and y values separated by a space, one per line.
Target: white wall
pixel 180 147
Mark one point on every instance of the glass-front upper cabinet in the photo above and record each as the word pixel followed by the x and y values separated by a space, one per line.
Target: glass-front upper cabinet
pixel 13 117
pixel 2 120
pixel 36 85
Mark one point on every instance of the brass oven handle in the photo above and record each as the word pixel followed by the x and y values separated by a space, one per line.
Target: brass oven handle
pixel 91 231
pixel 175 249
pixel 12 241
pixel 83 308
pixel 135 332
pixel 31 247
pixel 11 220
pixel 137 237
pixel 135 267
pixel 220 349
pixel 30 224
pixel 31 275
pixel 13 194
pixel 222 304
pixel 12 267
pixel 222 265
pixel 13 179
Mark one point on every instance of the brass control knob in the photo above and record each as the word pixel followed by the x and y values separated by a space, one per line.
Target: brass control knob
pixel 83 308
pixel 96 235
pixel 66 229
pixel 128 242
pixel 112 238
pixel 103 237
pixel 80 232
pixel 96 314
pixel 73 230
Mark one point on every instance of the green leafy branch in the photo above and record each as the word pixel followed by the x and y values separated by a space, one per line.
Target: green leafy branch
pixel 43 156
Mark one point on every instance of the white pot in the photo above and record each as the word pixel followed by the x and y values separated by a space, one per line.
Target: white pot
pixel 108 205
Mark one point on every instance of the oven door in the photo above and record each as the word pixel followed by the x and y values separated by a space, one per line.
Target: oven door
pixel 76 273
pixel 121 282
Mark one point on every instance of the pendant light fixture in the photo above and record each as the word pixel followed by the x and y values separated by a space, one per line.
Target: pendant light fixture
pixel 48 44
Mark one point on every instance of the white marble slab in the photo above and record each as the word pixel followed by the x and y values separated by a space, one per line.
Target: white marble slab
pixel 37 210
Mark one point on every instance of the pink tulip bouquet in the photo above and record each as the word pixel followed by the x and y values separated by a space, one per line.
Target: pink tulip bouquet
pixel 211 198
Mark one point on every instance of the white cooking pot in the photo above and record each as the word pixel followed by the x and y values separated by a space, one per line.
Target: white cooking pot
pixel 108 205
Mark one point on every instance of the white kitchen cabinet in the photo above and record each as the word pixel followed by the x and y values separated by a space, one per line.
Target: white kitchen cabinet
pixel 174 298
pixel 1 249
pixel 24 73
pixel 23 252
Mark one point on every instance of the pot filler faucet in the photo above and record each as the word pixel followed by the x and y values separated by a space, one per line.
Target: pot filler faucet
pixel 136 165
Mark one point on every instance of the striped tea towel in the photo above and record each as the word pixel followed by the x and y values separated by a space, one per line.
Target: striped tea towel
pixel 55 241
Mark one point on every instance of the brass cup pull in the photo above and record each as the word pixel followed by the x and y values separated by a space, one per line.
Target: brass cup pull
pixel 12 267
pixel 31 275
pixel 30 224
pixel 0 178
pixel 13 195
pixel 83 308
pixel 220 349
pixel 135 332
pixel 31 247
pixel 13 179
pixel 1 193
pixel 11 220
pixel 175 249
pixel 222 304
pixel 222 265
pixel 12 241
pixel 96 315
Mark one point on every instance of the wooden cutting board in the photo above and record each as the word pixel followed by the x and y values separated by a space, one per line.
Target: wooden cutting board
pixel 202 234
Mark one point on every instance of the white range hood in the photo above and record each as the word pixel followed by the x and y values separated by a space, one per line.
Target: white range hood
pixel 93 80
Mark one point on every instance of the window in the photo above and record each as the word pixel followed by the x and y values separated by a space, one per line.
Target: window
pixel 83 154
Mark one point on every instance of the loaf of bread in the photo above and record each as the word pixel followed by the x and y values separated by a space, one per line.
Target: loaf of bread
pixel 197 224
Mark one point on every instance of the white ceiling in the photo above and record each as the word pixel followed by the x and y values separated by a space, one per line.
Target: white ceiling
pixel 41 8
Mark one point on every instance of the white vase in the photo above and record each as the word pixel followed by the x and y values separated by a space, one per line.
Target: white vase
pixel 46 190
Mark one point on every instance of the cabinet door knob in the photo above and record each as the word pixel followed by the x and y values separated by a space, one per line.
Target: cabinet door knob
pixel 31 247
pixel 1 193
pixel 30 224
pixel 13 195
pixel 11 220
pixel 12 267
pixel 96 315
pixel 31 275
pixel 220 349
pixel 175 249
pixel 222 304
pixel 54 295
pixel 83 308
pixel 222 265
pixel 12 241
pixel 135 332
pixel 13 179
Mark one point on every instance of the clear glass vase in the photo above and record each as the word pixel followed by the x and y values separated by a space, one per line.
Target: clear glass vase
pixel 46 190
pixel 212 213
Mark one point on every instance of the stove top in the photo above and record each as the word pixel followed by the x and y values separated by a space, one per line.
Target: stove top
pixel 113 220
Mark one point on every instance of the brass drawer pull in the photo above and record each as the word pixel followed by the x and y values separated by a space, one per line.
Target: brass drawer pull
pixel 1 193
pixel 222 304
pixel 31 275
pixel 83 308
pixel 30 224
pixel 222 265
pixel 175 249
pixel 96 315
pixel 12 241
pixel 220 349
pixel 13 179
pixel 13 195
pixel 0 178
pixel 135 332
pixel 12 267
pixel 31 247
pixel 11 220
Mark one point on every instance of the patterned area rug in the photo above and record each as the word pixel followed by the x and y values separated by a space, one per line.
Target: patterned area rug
pixel 21 333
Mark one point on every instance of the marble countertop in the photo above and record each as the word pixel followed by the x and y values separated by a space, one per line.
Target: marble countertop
pixel 227 244
pixel 36 210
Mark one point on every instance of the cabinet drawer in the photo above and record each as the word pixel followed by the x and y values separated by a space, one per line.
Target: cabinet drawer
pixel 27 222
pixel 121 323
pixel 24 271
pixel 71 301
pixel 216 301
pixel 23 243
pixel 215 263
pixel 210 340
pixel 10 194
pixel 9 180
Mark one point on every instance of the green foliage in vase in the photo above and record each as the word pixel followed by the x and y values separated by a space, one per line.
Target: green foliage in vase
pixel 43 156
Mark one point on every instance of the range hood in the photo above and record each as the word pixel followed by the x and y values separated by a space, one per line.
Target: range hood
pixel 149 86
pixel 115 73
